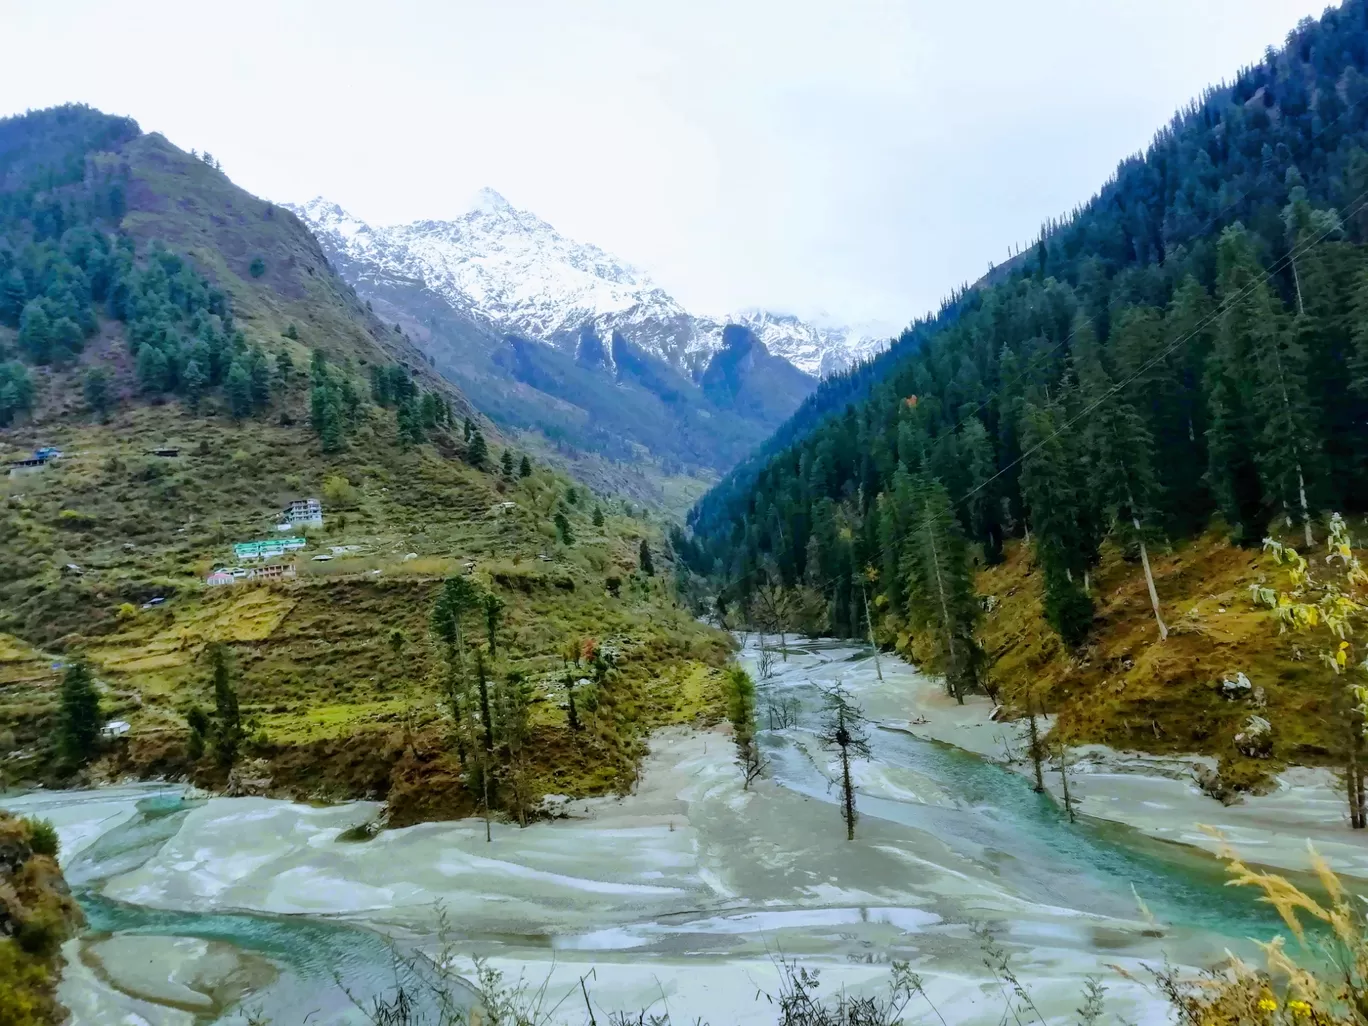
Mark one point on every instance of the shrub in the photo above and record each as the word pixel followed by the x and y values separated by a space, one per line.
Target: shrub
pixel 338 491
pixel 257 268
pixel 42 837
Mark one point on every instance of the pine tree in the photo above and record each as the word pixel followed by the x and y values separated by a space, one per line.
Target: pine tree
pixel 740 690
pixel 151 369
pixel 193 382
pixel 1251 318
pixel 563 530
pixel 284 371
pixel 644 559
pixel 983 502
pixel 1287 444
pixel 410 424
pixel 1161 359
pixel 478 452
pixel 598 516
pixel 239 391
pixel 458 599
pixel 1121 474
pixel 78 718
pixel 260 373
pixel 96 389
pixel 940 588
pixel 1050 485
pixel 493 612
pixel 228 732
pixel 35 332
pixel 506 464
pixel 525 468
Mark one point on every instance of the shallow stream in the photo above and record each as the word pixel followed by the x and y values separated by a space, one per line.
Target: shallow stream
pixel 680 895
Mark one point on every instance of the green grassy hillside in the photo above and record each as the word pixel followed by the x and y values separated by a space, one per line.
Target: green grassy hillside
pixel 340 682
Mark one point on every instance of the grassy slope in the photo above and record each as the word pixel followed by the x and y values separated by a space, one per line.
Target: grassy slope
pixel 319 683
pixel 1128 690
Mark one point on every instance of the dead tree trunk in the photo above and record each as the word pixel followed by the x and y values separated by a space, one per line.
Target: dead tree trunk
pixel 1149 581
pixel 1353 776
pixel 1064 781
pixel 953 674
pixel 1036 754
pixel 870 624
pixel 847 794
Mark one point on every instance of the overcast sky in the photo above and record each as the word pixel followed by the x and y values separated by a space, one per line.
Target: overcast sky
pixel 855 158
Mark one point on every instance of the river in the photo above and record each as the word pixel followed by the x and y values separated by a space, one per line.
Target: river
pixel 681 895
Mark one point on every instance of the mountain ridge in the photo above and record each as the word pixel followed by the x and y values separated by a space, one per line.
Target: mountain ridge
pixel 598 372
pixel 513 270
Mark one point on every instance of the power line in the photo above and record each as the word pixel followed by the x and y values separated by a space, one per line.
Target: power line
pixel 1041 355
pixel 1361 202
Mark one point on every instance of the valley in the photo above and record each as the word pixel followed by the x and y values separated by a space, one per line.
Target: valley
pixel 437 622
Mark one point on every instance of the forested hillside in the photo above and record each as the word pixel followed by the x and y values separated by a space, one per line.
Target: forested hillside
pixel 1188 349
pixel 197 366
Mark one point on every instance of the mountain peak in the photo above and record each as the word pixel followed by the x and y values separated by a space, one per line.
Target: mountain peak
pixel 516 273
pixel 489 201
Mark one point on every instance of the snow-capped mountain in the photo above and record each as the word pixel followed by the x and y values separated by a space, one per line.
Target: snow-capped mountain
pixel 812 348
pixel 511 270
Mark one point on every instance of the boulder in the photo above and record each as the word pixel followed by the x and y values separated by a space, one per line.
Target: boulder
pixel 1255 738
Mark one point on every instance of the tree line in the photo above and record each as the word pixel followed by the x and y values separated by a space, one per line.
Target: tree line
pixel 1191 345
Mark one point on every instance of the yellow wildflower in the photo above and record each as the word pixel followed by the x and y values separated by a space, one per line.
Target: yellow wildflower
pixel 1299 1008
pixel 1267 1005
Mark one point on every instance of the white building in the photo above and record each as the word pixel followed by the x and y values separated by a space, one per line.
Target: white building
pixel 304 511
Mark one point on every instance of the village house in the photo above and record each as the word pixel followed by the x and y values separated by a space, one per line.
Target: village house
pixel 40 459
pixel 268 549
pixel 304 511
pixel 271 572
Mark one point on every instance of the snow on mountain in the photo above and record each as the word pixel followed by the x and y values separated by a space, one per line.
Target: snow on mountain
pixel 812 348
pixel 512 270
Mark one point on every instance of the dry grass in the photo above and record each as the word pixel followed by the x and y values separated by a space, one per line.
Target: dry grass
pixel 1128 690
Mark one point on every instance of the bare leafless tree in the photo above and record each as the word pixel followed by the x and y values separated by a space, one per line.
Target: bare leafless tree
pixel 844 732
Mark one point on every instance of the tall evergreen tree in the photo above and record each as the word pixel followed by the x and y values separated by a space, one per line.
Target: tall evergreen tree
pixel 940 588
pixel 1051 484
pixel 78 718
pixel 1119 453
pixel 228 732
pixel 477 453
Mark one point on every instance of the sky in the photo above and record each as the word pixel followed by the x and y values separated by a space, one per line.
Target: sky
pixel 850 161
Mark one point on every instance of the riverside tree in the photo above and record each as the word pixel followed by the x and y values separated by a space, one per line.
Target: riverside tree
pixel 1118 445
pixel 740 691
pixel 1327 602
pixel 843 732
pixel 78 716
pixel 940 589
pixel 227 727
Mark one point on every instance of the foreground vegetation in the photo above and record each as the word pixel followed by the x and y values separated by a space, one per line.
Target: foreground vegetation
pixel 1321 981
pixel 37 913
